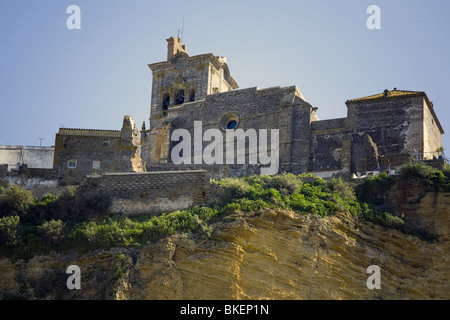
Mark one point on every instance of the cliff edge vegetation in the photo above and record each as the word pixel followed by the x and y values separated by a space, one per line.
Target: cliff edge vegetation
pixel 281 237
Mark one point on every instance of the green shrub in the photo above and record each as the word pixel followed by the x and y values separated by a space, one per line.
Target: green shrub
pixel 15 201
pixel 374 189
pixel 426 175
pixel 82 234
pixel 391 221
pixel 94 204
pixel 122 231
pixel 248 205
pixel 94 234
pixel 65 207
pixel 230 209
pixel 235 188
pixel 440 181
pixel 204 213
pixel 258 180
pixel 256 187
pixel 52 231
pixel 75 220
pixel 299 202
pixel 9 227
pixel 286 183
pixel 385 219
pixel 273 196
pixel 42 209
pixel 343 189
pixel 310 178
pixel 416 170
pixel 73 206
pixel 446 171
pixel 121 266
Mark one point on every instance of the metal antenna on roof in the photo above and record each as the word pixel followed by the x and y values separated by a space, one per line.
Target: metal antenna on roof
pixel 40 141
pixel 182 31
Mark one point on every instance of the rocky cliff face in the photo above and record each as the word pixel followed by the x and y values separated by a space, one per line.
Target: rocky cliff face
pixel 262 255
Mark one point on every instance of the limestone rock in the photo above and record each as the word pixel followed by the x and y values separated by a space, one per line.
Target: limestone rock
pixel 271 254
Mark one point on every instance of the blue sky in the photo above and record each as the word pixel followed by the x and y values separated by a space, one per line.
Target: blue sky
pixel 52 77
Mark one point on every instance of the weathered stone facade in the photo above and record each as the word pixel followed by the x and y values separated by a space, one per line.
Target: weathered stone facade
pixel 82 152
pixel 152 192
pixel 380 131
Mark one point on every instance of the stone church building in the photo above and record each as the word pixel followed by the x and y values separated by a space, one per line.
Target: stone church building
pixel 383 130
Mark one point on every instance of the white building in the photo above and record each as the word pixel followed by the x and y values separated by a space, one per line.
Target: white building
pixel 34 157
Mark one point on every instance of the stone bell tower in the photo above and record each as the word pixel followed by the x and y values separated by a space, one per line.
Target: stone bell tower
pixel 184 79
pixel 174 46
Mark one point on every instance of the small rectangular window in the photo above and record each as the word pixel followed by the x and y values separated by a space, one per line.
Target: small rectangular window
pixel 95 165
pixel 72 164
pixel 106 142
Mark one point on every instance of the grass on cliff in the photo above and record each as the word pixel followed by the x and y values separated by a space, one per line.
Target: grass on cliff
pixel 375 190
pixel 30 226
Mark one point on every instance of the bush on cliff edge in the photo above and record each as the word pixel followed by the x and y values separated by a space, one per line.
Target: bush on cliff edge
pixel 78 221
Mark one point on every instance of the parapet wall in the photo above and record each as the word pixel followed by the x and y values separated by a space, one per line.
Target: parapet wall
pixel 215 171
pixel 29 178
pixel 152 192
pixel 330 124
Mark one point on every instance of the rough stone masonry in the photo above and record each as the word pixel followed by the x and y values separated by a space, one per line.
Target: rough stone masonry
pixel 152 192
pixel 381 131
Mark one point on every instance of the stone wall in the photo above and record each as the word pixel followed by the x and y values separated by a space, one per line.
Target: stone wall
pixel 3 170
pixel 214 171
pixel 83 147
pixel 37 180
pixel 45 174
pixel 432 136
pixel 380 131
pixel 327 137
pixel 395 124
pixel 376 135
pixel 96 152
pixel 152 192
pixel 278 108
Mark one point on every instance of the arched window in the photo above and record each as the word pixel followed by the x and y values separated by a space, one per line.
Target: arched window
pixel 192 95
pixel 179 97
pixel 165 103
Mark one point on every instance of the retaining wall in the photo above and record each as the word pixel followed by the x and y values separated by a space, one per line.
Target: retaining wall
pixel 152 192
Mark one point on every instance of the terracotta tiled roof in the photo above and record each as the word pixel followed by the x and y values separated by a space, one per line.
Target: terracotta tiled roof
pixel 388 94
pixel 89 132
